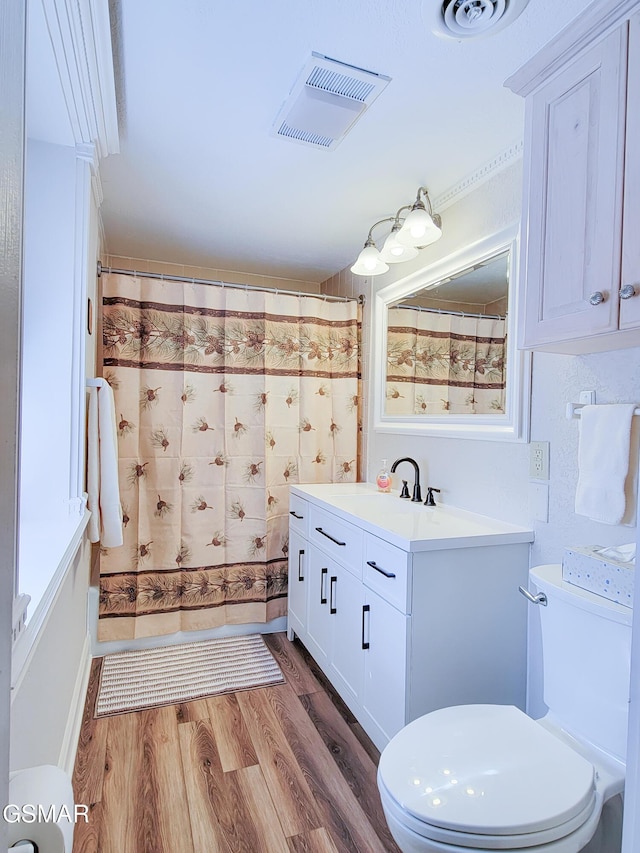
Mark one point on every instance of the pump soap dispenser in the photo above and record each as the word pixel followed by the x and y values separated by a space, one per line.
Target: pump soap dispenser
pixel 383 479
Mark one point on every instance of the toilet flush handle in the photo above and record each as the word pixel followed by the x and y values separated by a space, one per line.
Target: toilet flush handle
pixel 540 598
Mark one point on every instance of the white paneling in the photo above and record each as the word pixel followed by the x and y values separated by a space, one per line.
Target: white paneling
pixel 48 359
pixel 44 704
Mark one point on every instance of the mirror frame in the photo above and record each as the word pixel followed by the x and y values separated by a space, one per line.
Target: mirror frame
pixel 513 424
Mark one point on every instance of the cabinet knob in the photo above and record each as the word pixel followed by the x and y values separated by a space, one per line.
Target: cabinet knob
pixel 627 291
pixel 597 297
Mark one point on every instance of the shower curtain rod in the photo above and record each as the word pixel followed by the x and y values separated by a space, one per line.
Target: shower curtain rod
pixel 326 297
pixel 455 313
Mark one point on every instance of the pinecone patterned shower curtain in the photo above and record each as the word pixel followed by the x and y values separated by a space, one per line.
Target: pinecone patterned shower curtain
pixel 224 397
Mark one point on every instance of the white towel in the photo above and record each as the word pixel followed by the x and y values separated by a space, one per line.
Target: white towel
pixel 105 524
pixel 603 461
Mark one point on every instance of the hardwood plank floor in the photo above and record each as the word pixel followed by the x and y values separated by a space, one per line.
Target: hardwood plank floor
pixel 282 769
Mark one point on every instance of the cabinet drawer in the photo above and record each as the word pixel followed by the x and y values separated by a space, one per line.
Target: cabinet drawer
pixel 338 538
pixel 299 515
pixel 386 570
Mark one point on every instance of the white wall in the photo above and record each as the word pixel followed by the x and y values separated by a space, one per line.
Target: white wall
pixel 493 477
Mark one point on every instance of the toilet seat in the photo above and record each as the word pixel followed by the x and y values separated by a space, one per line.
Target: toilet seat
pixel 486 776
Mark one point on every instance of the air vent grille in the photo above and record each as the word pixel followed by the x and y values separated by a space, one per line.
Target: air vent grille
pixel 325 102
pixel 304 136
pixel 466 19
pixel 339 84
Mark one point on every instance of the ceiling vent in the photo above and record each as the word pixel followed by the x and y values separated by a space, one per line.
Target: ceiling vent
pixel 326 101
pixel 465 19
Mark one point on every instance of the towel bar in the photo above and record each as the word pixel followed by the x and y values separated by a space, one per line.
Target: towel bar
pixel 93 383
pixel 573 410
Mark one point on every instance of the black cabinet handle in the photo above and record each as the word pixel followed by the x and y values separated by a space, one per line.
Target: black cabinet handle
pixel 323 597
pixel 300 575
pixel 332 604
pixel 365 609
pixel 295 514
pixel 373 565
pixel 320 530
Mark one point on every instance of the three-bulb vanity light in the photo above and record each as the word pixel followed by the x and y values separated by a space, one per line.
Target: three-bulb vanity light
pixel 409 233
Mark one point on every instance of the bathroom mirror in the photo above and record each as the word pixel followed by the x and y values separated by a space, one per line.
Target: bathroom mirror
pixel 445 361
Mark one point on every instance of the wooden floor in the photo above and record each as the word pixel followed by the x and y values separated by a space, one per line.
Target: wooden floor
pixel 284 768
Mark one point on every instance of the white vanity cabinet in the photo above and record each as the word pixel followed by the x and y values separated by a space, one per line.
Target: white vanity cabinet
pixel 580 262
pixel 407 609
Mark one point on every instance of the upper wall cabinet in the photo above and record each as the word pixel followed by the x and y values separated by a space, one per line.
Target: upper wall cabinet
pixel 580 269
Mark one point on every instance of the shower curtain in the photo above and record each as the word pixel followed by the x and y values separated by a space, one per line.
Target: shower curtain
pixel 224 397
pixel 439 363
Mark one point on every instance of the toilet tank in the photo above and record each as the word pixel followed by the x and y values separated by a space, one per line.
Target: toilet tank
pixel 586 651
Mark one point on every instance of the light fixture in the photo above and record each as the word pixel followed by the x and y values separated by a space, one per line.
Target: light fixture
pixel 408 234
pixel 421 227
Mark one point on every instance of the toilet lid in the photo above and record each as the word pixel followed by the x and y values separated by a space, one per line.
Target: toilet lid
pixel 486 769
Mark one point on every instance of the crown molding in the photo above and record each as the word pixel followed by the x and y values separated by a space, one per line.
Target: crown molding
pixel 594 22
pixel 475 179
pixel 81 39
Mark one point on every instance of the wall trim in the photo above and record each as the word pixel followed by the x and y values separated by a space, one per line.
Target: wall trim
pixel 28 639
pixel 480 176
pixel 71 737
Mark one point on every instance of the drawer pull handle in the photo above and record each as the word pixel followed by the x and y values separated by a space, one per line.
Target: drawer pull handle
pixel 365 609
pixel 323 597
pixel 332 603
pixel 320 530
pixel 295 514
pixel 300 575
pixel 373 565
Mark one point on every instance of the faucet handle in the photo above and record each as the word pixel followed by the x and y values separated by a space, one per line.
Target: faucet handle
pixel 404 492
pixel 430 500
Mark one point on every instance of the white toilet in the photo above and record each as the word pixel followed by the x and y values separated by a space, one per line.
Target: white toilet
pixel 488 777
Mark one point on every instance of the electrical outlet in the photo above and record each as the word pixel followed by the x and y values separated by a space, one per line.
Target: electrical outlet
pixel 539 460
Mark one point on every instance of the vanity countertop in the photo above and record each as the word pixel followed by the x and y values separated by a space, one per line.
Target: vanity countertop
pixel 410 526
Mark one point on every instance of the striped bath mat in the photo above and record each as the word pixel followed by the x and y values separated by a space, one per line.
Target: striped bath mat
pixel 131 681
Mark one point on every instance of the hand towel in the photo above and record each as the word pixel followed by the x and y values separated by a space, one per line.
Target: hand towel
pixel 603 461
pixel 105 524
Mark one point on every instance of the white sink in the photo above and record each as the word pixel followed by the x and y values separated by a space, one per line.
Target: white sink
pixel 411 526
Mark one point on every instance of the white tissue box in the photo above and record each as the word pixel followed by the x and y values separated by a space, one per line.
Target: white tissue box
pixel 610 578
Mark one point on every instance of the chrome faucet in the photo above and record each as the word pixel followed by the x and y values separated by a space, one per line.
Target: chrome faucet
pixel 417 495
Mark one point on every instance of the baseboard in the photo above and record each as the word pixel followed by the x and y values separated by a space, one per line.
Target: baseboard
pixel 74 721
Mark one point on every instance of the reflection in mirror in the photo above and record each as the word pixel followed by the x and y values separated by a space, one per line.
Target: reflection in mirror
pixel 447 343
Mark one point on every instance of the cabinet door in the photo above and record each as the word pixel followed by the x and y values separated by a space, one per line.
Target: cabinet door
pixel 573 221
pixel 318 616
pixel 630 280
pixel 345 606
pixel 298 581
pixel 385 666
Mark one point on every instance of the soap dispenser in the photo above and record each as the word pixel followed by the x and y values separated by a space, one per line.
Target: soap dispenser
pixel 383 479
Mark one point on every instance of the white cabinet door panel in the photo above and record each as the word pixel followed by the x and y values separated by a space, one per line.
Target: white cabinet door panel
pixel 630 307
pixel 385 665
pixel 346 597
pixel 576 154
pixel 318 617
pixel 298 580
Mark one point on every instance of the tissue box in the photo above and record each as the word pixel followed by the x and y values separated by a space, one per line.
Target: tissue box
pixel 612 579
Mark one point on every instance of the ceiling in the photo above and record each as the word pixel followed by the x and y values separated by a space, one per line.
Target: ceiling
pixel 199 180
